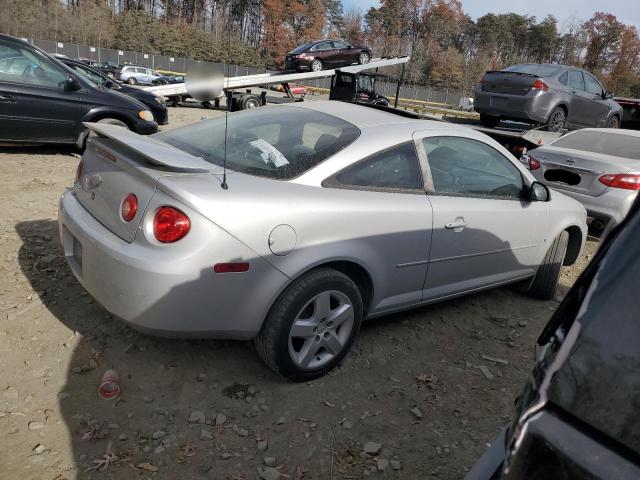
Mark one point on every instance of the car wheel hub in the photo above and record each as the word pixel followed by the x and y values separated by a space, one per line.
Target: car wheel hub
pixel 321 330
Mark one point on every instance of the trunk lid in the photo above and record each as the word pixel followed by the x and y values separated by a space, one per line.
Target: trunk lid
pixel 119 162
pixel 577 171
pixel 509 83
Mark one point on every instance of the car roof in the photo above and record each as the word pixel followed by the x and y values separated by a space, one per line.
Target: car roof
pixel 366 116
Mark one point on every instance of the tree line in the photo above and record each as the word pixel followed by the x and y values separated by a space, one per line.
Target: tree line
pixel 448 49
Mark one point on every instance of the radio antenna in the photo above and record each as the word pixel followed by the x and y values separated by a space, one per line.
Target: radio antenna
pixel 224 184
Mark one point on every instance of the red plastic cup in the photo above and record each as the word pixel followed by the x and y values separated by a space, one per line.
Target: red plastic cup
pixel 110 385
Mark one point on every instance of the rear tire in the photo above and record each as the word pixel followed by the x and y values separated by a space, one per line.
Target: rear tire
pixel 557 120
pixel 614 122
pixel 322 337
pixel 131 81
pixel 489 121
pixel 545 284
pixel 249 101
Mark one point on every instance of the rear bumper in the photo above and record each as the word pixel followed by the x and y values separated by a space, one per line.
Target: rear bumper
pixel 169 290
pixel 611 207
pixel 532 107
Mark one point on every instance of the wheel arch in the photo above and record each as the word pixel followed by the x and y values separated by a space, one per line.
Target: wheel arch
pixel 574 246
pixel 102 114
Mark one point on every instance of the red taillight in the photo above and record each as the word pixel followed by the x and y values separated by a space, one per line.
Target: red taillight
pixel 628 181
pixel 237 267
pixel 129 207
pixel 540 85
pixel 79 169
pixel 170 224
pixel 533 163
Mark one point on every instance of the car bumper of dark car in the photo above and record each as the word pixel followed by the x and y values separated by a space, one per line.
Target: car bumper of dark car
pixel 532 107
pixel 297 64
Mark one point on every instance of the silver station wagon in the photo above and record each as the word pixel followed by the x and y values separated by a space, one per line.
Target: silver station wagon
pixel 330 213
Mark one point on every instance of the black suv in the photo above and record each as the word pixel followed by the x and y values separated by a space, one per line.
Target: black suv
pixel 44 101
pixel 579 414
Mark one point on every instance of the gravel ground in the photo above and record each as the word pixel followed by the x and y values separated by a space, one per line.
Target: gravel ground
pixel 411 393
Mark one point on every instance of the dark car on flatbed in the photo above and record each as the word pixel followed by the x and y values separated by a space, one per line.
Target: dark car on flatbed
pixel 578 416
pixel 323 54
pixel 44 101
pixel 559 96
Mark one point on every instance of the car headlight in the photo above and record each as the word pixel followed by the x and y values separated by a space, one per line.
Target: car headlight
pixel 159 99
pixel 146 115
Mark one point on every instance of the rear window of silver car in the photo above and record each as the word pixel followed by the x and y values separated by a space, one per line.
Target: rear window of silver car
pixel 532 69
pixel 615 144
pixel 272 142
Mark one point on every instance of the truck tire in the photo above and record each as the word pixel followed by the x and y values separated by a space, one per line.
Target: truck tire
pixel 311 326
pixel 545 283
pixel 489 121
pixel 249 101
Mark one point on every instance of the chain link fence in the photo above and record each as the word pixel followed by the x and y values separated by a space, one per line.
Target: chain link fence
pixel 419 93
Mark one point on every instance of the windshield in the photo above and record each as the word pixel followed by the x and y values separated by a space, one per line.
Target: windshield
pixel 616 144
pixel 93 77
pixel 301 48
pixel 272 142
pixel 533 69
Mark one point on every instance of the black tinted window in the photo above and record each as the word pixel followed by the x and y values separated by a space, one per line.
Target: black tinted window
pixel 301 48
pixel 592 85
pixel 273 142
pixel 394 168
pixel 469 167
pixel 576 80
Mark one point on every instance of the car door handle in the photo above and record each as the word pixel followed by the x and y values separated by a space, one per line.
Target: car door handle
pixel 7 98
pixel 458 225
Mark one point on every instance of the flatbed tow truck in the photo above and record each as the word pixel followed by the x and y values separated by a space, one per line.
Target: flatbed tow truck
pixel 354 84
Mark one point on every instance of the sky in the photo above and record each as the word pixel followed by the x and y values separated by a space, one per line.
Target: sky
pixel 627 11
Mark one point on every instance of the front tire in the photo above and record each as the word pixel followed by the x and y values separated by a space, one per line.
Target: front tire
pixel 614 122
pixel 363 58
pixel 311 326
pixel 131 81
pixel 113 121
pixel 545 283
pixel 316 65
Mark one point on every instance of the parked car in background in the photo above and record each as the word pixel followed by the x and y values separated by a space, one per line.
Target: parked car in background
pixel 412 212
pixel 107 68
pixel 44 101
pixel 171 79
pixel 321 54
pixel 559 96
pixel 598 167
pixel 577 416
pixel 155 103
pixel 133 74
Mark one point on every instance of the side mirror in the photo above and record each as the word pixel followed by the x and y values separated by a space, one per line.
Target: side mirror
pixel 608 95
pixel 72 84
pixel 539 193
pixel 109 84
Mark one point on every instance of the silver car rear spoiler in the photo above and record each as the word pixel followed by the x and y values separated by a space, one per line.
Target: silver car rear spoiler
pixel 154 151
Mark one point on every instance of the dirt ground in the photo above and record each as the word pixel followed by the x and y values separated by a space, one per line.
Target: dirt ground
pixel 55 343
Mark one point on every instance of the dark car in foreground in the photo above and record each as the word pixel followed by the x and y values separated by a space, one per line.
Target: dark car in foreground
pixel 155 103
pixel 577 417
pixel 44 101
pixel 322 54
pixel 559 96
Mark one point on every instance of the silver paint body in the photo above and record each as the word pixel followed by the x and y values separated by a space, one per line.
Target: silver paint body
pixel 286 228
pixel 599 199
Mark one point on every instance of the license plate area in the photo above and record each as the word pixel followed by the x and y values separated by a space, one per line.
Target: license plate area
pixel 499 102
pixel 562 176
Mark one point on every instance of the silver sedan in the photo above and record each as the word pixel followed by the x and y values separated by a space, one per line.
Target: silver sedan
pixel 599 167
pixel 329 213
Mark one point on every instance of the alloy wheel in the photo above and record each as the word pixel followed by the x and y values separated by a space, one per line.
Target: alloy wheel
pixel 364 58
pixel 557 120
pixel 316 65
pixel 321 330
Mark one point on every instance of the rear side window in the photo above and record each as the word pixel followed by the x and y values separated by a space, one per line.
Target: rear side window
pixel 576 80
pixel 323 46
pixel 23 66
pixel 273 142
pixel 618 145
pixel 396 168
pixel 339 45
pixel 463 166
pixel 563 79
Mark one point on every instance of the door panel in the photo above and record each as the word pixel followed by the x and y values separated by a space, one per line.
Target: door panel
pixel 598 107
pixel 491 241
pixel 580 101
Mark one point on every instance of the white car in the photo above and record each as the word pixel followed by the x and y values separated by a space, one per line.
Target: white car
pixel 143 75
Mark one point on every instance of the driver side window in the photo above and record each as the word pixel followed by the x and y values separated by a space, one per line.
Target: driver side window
pixel 463 166
pixel 19 65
